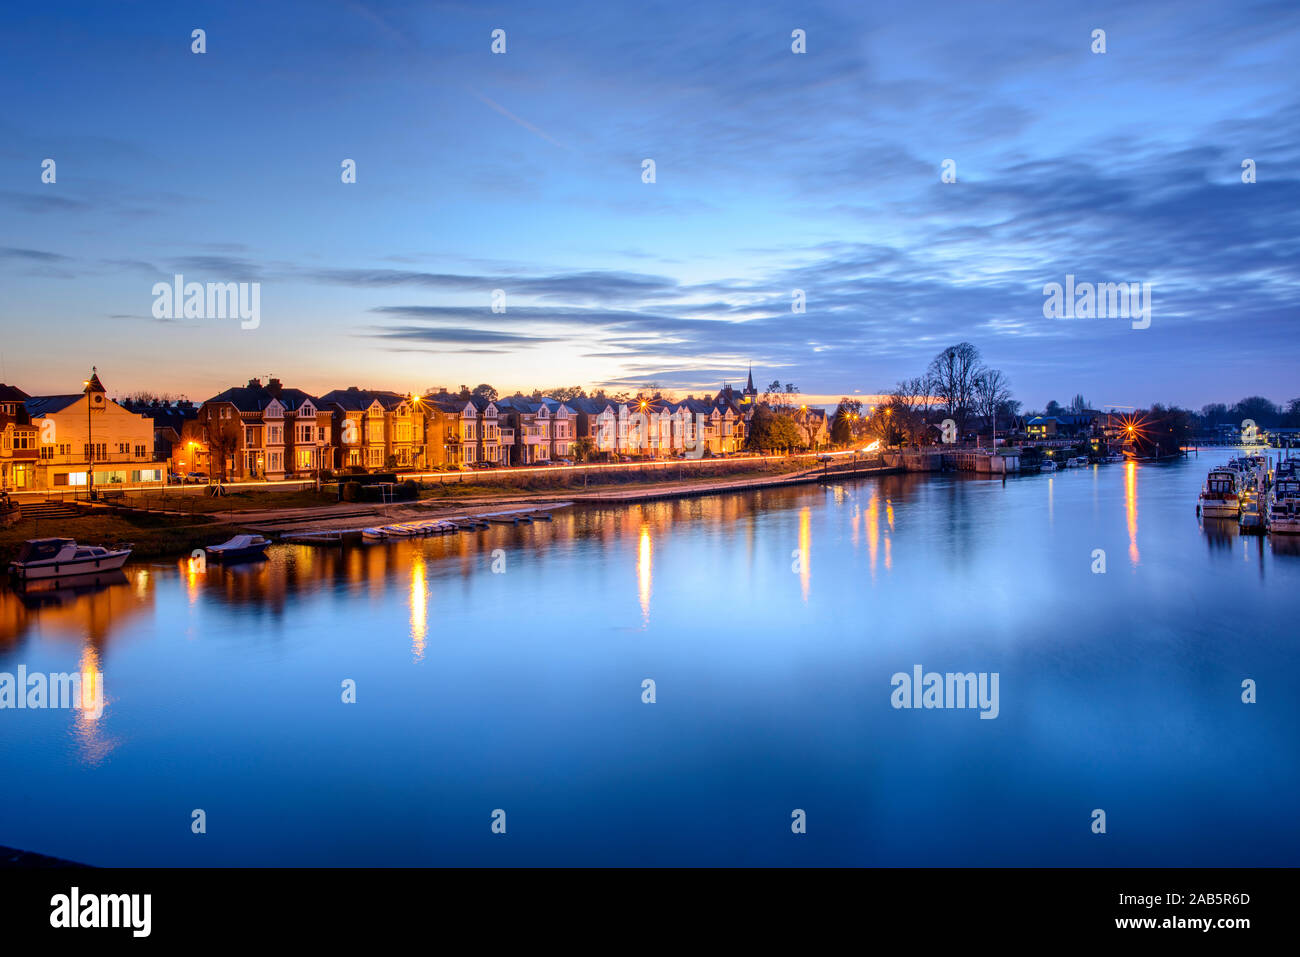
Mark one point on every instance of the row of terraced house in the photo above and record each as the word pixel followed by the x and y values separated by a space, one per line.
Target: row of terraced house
pixel 272 431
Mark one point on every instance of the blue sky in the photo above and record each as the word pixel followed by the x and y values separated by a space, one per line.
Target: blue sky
pixel 774 172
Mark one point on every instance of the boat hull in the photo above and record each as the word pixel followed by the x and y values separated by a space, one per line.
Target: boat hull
pixel 1219 509
pixel 39 571
pixel 230 556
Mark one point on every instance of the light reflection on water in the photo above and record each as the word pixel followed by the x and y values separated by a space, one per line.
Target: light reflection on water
pixel 522 690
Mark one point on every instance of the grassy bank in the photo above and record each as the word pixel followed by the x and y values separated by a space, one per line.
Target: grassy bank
pixel 153 536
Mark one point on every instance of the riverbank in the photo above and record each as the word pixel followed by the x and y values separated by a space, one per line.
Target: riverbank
pixel 151 535
pixel 162 533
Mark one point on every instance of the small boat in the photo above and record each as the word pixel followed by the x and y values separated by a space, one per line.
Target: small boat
pixel 1049 465
pixel 1113 457
pixel 1251 520
pixel 238 549
pixel 373 535
pixel 64 558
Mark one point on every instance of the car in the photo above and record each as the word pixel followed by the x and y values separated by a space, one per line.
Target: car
pixel 486 465
pixel 175 478
pixel 196 478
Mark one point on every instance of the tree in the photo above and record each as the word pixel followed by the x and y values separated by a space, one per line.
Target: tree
pixel 845 421
pixel 991 391
pixel 951 377
pixel 784 433
pixel 1214 414
pixel 222 439
pixel 781 398
pixel 759 437
pixel 1258 409
pixel 583 449
pixel 484 391
pixel 1054 409
pixel 565 393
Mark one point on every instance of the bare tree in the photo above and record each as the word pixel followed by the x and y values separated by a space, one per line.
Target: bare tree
pixel 952 376
pixel 991 391
pixel 222 438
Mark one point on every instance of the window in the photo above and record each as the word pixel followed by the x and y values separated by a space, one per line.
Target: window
pixel 320 434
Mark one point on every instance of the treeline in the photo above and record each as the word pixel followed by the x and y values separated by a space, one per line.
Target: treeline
pixel 957 386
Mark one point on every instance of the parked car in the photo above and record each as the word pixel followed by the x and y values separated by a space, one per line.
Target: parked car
pixel 175 478
pixel 486 465
pixel 196 478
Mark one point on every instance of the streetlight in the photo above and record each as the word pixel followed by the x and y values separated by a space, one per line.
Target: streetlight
pixel 90 445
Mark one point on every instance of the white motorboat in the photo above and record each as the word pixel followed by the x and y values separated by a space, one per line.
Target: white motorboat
pixel 1284 507
pixel 1220 496
pixel 1049 465
pixel 64 558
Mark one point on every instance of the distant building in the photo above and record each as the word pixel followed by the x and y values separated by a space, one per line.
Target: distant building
pixel 265 432
pixel 18 441
pixel 380 429
pixel 77 429
pixel 172 428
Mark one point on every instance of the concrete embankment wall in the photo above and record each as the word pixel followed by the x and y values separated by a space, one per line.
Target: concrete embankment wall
pixel 961 461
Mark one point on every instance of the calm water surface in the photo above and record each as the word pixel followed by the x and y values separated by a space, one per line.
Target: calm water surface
pixel 522 690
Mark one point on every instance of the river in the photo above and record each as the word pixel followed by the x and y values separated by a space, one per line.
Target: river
pixel 771 623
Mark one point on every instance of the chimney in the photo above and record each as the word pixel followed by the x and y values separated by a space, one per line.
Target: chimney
pixel 255 383
pixel 273 387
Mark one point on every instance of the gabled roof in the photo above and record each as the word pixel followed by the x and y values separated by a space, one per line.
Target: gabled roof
pixel 353 399
pixel 519 403
pixel 243 398
pixel 555 405
pixel 588 405
pixel 38 405
pixel 10 393
pixel 256 397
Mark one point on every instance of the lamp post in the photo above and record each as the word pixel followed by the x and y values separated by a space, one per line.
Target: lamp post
pixel 90 447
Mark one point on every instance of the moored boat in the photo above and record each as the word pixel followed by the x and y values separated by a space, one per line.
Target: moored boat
pixel 1252 518
pixel 42 558
pixel 238 549
pixel 1284 506
pixel 1220 496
